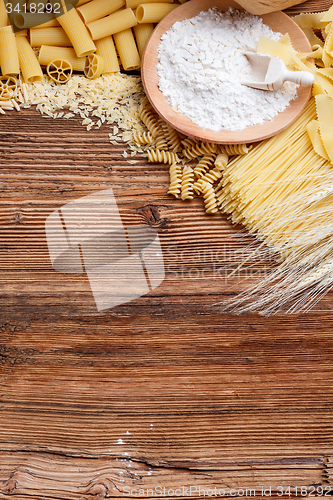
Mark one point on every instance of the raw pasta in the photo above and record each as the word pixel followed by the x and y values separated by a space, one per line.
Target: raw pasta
pixel 96 9
pixel 8 52
pixel 175 172
pixel 29 65
pixel 187 183
pixel 153 12
pixel 77 33
pixel 127 50
pixel 114 23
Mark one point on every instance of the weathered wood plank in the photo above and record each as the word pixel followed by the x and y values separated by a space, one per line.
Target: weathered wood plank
pixel 162 391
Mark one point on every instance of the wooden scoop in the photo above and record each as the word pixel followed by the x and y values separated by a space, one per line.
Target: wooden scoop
pixel 270 73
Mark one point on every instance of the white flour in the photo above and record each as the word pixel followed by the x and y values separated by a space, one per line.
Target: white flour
pixel 201 64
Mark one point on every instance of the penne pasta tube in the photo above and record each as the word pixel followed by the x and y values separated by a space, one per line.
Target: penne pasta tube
pixel 3 14
pixel 127 50
pixel 77 32
pixel 26 20
pixel 142 34
pixel 49 36
pixel 106 49
pixel 133 4
pixel 30 67
pixel 153 12
pixel 9 60
pixel 114 23
pixel 96 9
pixel 81 2
pixel 50 53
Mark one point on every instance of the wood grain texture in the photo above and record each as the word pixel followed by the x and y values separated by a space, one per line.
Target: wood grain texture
pixel 161 392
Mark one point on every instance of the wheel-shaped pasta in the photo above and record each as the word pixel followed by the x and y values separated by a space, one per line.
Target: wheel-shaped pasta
pixel 175 172
pixel 155 155
pixel 8 87
pixel 59 70
pixel 187 183
pixel 209 198
pixel 94 66
pixel 201 168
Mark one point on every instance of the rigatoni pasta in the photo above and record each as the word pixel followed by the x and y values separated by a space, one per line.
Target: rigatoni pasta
pixel 9 60
pixel 29 65
pixel 114 23
pixel 77 33
pixel 106 49
pixel 127 50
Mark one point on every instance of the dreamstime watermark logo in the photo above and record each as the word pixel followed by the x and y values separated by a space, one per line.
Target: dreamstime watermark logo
pixel 25 14
pixel 122 263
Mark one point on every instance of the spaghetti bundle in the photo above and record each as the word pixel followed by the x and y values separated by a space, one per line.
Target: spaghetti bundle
pixel 282 192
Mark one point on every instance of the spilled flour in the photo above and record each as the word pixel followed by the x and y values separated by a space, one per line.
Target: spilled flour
pixel 201 64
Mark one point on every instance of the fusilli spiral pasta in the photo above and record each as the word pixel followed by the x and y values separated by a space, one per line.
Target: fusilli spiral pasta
pixel 209 198
pixel 200 149
pixel 141 138
pixel 235 149
pixel 188 143
pixel 151 120
pixel 211 176
pixel 201 168
pixel 172 138
pixel 160 156
pixel 187 183
pixel 221 160
pixel 175 172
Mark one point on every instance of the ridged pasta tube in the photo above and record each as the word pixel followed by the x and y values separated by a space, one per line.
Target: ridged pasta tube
pixel 201 168
pixel 188 143
pixel 175 172
pixel 187 183
pixel 236 149
pixel 141 138
pixel 158 156
pixel 200 149
pixel 161 141
pixel 209 198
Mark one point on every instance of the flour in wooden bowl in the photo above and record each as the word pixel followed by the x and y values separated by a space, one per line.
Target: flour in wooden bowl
pixel 201 63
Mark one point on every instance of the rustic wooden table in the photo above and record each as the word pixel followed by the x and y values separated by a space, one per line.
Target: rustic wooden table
pixel 161 392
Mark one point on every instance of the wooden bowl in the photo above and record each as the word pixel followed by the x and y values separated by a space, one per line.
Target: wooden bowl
pixel 277 21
